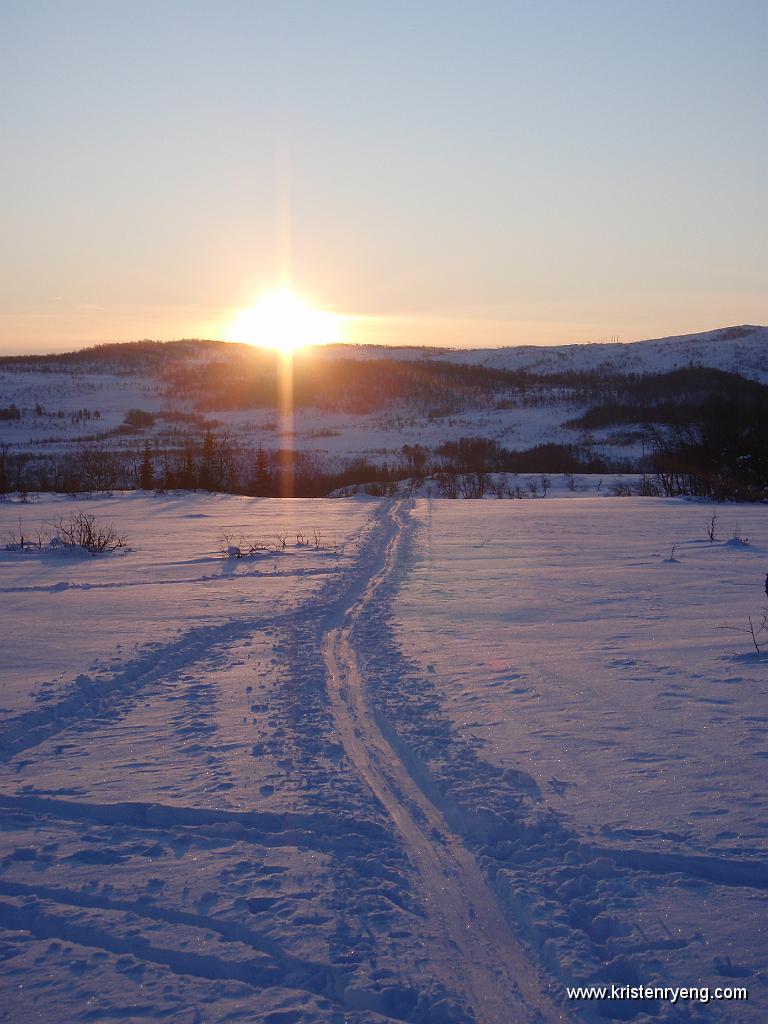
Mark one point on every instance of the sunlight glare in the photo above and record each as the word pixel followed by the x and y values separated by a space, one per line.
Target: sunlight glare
pixel 284 322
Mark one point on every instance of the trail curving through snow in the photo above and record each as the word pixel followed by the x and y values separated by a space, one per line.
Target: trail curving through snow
pixel 476 954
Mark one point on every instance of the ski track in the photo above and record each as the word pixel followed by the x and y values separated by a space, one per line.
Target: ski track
pixel 473 954
pixel 389 826
pixel 65 585
pixel 86 698
pixel 494 972
pixel 365 864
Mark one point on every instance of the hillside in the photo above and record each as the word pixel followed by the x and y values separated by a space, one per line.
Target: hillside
pixel 366 413
pixel 742 349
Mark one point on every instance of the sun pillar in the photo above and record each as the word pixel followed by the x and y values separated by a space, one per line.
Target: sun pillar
pixel 287 468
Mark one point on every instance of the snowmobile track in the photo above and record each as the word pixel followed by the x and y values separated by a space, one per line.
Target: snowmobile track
pixel 477 954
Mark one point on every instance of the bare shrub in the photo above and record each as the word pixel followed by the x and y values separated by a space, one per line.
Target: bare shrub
pixel 499 487
pixel 21 539
pixel 647 488
pixel 712 528
pixel 756 630
pixel 229 546
pixel 83 530
pixel 621 489
pixel 473 485
pixel 448 484
pixel 237 545
pixel 234 546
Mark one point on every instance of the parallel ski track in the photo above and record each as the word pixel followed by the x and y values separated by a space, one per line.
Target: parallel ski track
pixel 478 955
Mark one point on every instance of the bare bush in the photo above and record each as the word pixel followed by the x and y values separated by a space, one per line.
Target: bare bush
pixel 712 528
pixel 647 488
pixel 621 489
pixel 756 630
pixel 93 469
pixel 233 546
pixel 83 530
pixel 473 485
pixel 237 545
pixel 21 539
pixel 448 484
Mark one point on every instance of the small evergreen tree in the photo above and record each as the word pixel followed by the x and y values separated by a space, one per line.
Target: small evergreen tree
pixel 186 477
pixel 205 478
pixel 146 474
pixel 4 473
pixel 261 478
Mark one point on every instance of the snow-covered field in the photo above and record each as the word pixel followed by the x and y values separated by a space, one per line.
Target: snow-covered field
pixel 430 761
pixel 328 434
pixel 569 649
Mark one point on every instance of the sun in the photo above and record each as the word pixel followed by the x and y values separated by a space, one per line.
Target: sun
pixel 285 322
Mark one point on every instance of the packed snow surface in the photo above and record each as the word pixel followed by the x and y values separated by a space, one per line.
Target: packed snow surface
pixel 416 760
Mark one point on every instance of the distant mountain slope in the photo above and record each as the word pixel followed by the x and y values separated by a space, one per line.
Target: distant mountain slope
pixel 364 413
pixel 742 349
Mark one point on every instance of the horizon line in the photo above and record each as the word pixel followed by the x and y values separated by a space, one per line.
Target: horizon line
pixel 615 340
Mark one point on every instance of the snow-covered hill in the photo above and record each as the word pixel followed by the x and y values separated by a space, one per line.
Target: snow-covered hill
pixel 741 350
pixel 352 402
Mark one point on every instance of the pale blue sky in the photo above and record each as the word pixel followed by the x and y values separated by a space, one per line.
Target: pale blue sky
pixel 445 172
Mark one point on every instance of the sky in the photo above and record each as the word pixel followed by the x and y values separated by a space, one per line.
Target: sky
pixel 460 173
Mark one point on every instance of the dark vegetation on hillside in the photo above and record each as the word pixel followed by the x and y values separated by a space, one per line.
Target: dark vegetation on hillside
pixel 705 429
pixel 677 398
pixel 218 461
pixel 217 376
pixel 133 357
pixel 369 385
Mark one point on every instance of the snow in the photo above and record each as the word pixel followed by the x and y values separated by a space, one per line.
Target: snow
pixel 334 435
pixel 742 349
pixel 564 649
pixel 172 589
pixel 432 767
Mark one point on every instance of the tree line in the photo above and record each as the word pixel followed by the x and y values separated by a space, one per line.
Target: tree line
pixel 218 461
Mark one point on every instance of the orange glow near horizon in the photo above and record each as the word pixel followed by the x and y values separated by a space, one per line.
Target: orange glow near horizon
pixel 286 323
